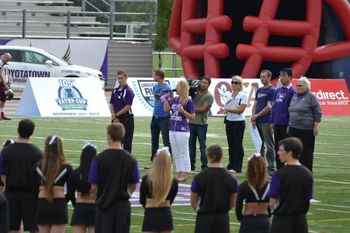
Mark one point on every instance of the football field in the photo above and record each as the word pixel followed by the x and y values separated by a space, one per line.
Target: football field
pixel 331 164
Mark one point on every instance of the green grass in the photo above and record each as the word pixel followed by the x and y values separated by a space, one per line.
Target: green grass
pixel 331 164
pixel 165 62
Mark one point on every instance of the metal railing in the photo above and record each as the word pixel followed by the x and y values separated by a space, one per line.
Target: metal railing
pixel 169 62
pixel 25 25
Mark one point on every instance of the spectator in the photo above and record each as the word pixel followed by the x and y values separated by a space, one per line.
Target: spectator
pixel 235 105
pixel 279 115
pixel 305 115
pixel 199 126
pixel 261 118
pixel 6 143
pixel 4 214
pixel 182 109
pixel 157 193
pixel 18 161
pixel 213 194
pixel 83 218
pixel 120 107
pixel 291 190
pixel 253 192
pixel 4 209
pixel 160 118
pixel 50 176
pixel 114 174
pixel 4 82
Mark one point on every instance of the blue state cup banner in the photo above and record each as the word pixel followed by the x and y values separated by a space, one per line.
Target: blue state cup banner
pixel 63 97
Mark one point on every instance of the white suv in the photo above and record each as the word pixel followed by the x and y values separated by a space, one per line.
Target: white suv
pixel 30 62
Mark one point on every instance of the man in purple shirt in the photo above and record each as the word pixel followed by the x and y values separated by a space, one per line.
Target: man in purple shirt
pixel 114 174
pixel 120 107
pixel 279 118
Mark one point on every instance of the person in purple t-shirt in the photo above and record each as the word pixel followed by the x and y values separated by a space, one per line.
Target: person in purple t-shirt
pixel 279 118
pixel 120 107
pixel 181 109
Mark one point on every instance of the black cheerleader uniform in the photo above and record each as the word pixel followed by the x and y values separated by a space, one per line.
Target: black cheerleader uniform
pixel 84 213
pixel 253 223
pixel 55 212
pixel 157 218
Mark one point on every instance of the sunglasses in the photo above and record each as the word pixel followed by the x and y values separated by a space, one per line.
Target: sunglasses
pixel 298 85
pixel 235 82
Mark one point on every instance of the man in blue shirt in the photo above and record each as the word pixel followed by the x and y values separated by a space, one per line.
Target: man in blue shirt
pixel 160 119
pixel 261 117
pixel 120 107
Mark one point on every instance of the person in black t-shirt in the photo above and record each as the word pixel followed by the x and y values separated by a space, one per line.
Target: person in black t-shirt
pixel 213 194
pixel 83 218
pixel 291 190
pixel 114 173
pixel 18 161
pixel 50 176
pixel 6 143
pixel 4 209
pixel 253 192
pixel 157 193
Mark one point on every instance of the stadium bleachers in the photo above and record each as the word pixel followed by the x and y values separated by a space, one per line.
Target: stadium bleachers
pixel 48 19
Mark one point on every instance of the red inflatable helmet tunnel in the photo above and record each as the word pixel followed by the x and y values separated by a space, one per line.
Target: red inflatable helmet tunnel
pixel 185 25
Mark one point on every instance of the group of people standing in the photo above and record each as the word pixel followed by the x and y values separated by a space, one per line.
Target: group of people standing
pixel 277 113
pixel 287 120
pixel 38 185
pixel 101 186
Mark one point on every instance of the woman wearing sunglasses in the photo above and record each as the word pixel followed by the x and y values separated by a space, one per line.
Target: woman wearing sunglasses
pixel 236 103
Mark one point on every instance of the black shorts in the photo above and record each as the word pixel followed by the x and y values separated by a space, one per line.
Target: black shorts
pixel 255 224
pixel 113 219
pixel 289 224
pixel 54 212
pixel 158 219
pixel 212 223
pixel 22 206
pixel 83 214
pixel 2 92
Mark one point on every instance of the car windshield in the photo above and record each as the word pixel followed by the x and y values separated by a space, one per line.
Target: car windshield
pixel 60 59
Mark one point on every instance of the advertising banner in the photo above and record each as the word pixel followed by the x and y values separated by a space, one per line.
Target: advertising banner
pixel 63 97
pixel 333 95
pixel 89 53
pixel 144 99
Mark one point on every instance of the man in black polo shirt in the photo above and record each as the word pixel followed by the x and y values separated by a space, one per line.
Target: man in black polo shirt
pixel 290 190
pixel 114 173
pixel 18 161
pixel 213 194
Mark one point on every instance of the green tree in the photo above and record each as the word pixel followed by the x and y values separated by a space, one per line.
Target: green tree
pixel 163 19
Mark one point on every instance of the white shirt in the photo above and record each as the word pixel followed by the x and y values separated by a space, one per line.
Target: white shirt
pixel 234 101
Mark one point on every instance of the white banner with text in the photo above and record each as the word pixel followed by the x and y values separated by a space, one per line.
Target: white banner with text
pixel 63 97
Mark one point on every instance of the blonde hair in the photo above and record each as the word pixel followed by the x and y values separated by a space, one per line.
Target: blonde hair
pixel 238 79
pixel 183 91
pixel 160 177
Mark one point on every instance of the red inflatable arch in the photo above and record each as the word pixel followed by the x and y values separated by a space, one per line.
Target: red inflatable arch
pixel 184 26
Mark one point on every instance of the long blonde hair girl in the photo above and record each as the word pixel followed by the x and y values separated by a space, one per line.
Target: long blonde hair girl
pixel 51 163
pixel 182 89
pixel 161 177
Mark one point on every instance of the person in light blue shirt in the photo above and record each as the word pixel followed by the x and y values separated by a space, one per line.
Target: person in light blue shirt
pixel 160 118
